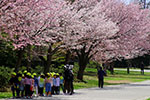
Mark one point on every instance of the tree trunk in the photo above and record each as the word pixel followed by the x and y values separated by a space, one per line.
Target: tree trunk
pixel 47 65
pixel 128 69
pixel 19 59
pixel 48 61
pixel 112 69
pixel 67 57
pixel 81 72
pixel 83 58
pixel 111 66
pixel 29 59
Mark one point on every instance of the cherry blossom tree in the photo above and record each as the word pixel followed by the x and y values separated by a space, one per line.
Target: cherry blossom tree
pixel 133 23
pixel 95 36
pixel 86 31
pixel 30 22
pixel 100 29
pixel 132 39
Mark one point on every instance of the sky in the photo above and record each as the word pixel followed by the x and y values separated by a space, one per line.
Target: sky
pixel 127 1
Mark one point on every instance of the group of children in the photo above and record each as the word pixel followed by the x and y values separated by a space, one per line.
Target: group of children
pixel 25 84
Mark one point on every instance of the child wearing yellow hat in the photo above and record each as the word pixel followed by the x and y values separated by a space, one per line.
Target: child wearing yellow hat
pixel 41 84
pixel 32 86
pixel 48 81
pixel 27 83
pixel 22 85
pixel 13 81
pixel 35 83
pixel 61 81
pixel 57 83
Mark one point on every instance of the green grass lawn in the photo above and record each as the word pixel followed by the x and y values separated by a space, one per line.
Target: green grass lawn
pixel 90 76
pixel 119 77
pixel 5 95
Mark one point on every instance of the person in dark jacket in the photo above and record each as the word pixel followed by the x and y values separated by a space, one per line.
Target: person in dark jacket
pixel 68 80
pixel 101 75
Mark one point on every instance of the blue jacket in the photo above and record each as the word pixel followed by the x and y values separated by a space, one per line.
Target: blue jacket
pixel 101 74
pixel 35 81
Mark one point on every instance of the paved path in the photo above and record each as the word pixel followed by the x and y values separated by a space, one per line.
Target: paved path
pixel 134 91
pixel 137 70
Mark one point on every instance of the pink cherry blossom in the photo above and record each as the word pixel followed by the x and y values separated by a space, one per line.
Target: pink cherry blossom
pixel 30 22
pixel 132 38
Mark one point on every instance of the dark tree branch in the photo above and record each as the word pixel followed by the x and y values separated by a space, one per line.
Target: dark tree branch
pixel 92 55
pixel 42 58
pixel 77 52
pixel 55 49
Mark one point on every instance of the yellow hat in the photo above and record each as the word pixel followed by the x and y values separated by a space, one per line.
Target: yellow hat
pixel 42 74
pixel 57 73
pixel 48 74
pixel 19 72
pixel 29 74
pixel 25 71
pixel 34 74
pixel 13 73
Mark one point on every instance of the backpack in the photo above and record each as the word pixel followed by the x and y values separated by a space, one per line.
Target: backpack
pixel 68 75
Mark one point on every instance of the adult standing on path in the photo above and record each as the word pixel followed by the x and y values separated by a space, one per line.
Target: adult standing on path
pixel 101 75
pixel 68 77
pixel 142 68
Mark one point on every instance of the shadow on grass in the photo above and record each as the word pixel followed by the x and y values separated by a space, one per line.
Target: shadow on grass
pixel 90 73
pixel 114 83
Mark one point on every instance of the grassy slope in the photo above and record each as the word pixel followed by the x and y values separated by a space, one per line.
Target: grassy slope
pixel 119 77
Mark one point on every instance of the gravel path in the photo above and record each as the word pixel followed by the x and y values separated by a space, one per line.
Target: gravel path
pixel 134 91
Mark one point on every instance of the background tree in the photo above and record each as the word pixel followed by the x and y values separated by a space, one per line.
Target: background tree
pixel 86 31
pixel 30 22
pixel 132 38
